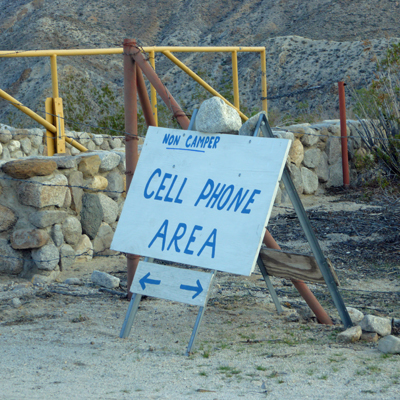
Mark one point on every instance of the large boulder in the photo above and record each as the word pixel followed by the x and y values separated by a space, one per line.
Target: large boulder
pixel 39 194
pixel 215 116
pixel 91 215
pixel 23 169
pixel 28 238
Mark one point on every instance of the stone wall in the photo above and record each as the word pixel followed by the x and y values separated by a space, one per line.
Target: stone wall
pixel 55 211
pixel 315 156
pixel 18 143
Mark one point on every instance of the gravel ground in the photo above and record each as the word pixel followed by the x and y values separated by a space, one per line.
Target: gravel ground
pixel 62 341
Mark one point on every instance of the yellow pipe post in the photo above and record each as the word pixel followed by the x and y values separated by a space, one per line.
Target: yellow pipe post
pixel 54 76
pixel 50 136
pixel 264 81
pixel 153 92
pixel 235 80
pixel 201 82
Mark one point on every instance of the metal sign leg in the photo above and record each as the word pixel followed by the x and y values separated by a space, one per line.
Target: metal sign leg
pixel 269 285
pixel 130 315
pixel 199 317
pixel 312 239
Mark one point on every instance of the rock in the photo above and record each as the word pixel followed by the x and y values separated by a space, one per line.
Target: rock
pixel 249 126
pixel 28 239
pixel 16 302
pixel 91 215
pixel 98 139
pixel 6 154
pixel 43 219
pixel 355 315
pixel 335 175
pixel 322 169
pixel 109 207
pixel 74 180
pixel 215 116
pixel 45 278
pixel 72 230
pixel 68 199
pixel 115 186
pixel 74 281
pixel 105 280
pixel 115 143
pixel 5 136
pixel 20 134
pixel 66 162
pixel 14 145
pixel 382 326
pixel 57 235
pixel 103 239
pixel 310 181
pixel 7 218
pixel 89 166
pixel 333 150
pixel 389 344
pixel 98 183
pixel 67 256
pixel 26 146
pixel 310 137
pixel 296 178
pixel 24 169
pixel 296 153
pixel 36 137
pixel 370 337
pixel 47 257
pixel 109 161
pixel 84 249
pixel 41 194
pixel 312 157
pixel 12 261
pixel 350 335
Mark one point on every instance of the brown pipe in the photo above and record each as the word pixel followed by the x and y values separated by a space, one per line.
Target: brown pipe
pixel 166 96
pixel 305 292
pixel 144 99
pixel 343 134
pixel 131 138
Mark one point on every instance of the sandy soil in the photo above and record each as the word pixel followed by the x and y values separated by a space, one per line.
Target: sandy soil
pixel 63 341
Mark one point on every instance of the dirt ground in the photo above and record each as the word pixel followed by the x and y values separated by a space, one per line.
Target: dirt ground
pixel 63 340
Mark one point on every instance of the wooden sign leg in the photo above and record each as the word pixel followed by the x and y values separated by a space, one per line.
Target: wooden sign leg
pixel 269 285
pixel 130 315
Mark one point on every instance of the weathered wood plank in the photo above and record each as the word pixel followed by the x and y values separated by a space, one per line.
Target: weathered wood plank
pixel 294 266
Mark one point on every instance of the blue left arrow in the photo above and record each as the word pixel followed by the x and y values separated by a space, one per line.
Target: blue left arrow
pixel 198 289
pixel 146 279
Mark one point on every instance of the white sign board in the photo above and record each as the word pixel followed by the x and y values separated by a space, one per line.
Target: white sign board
pixel 169 283
pixel 201 199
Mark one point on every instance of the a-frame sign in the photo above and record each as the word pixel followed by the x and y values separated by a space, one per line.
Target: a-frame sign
pixel 202 200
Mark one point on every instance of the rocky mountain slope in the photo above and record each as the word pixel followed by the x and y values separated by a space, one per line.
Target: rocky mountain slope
pixel 309 45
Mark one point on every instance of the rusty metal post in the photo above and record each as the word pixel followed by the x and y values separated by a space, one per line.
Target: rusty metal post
pixel 166 96
pixel 131 138
pixel 343 134
pixel 144 99
pixel 302 288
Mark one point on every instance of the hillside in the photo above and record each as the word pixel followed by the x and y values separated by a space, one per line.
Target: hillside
pixel 316 43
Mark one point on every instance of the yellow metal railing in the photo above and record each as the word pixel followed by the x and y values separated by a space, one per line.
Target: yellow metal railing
pixel 55 130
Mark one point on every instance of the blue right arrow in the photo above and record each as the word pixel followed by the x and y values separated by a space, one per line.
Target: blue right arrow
pixel 198 289
pixel 145 280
